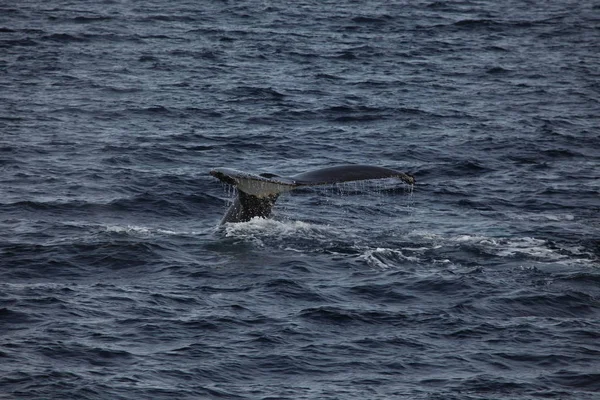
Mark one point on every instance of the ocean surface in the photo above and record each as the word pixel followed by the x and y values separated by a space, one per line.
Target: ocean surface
pixel 480 282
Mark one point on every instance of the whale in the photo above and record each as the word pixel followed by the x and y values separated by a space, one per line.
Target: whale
pixel 257 193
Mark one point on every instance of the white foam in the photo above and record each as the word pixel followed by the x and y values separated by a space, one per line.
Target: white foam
pixel 385 258
pixel 541 217
pixel 282 229
pixel 146 231
pixel 510 247
pixel 421 234
pixel 530 247
pixel 127 229
pixel 534 249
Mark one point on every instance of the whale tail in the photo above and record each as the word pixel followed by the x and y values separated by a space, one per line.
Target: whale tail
pixel 257 193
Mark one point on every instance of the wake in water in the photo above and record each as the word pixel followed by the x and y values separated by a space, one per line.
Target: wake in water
pixel 429 249
pixel 397 249
pixel 298 236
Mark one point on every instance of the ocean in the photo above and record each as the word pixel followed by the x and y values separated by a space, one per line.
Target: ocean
pixel 481 281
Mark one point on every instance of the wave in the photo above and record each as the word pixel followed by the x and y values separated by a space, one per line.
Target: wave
pixel 145 231
pixel 166 204
pixel 88 19
pixel 428 249
pixel 384 258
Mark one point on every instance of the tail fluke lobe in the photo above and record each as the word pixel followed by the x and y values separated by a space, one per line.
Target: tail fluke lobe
pixel 257 185
pixel 348 173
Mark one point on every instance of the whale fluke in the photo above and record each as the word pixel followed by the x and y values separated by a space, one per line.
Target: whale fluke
pixel 257 193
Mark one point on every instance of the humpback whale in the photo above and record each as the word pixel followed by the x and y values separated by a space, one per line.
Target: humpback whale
pixel 256 194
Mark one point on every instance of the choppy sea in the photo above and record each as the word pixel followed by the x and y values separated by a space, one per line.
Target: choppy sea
pixel 482 282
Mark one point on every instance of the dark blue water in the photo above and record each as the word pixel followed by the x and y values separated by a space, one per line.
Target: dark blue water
pixel 483 283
